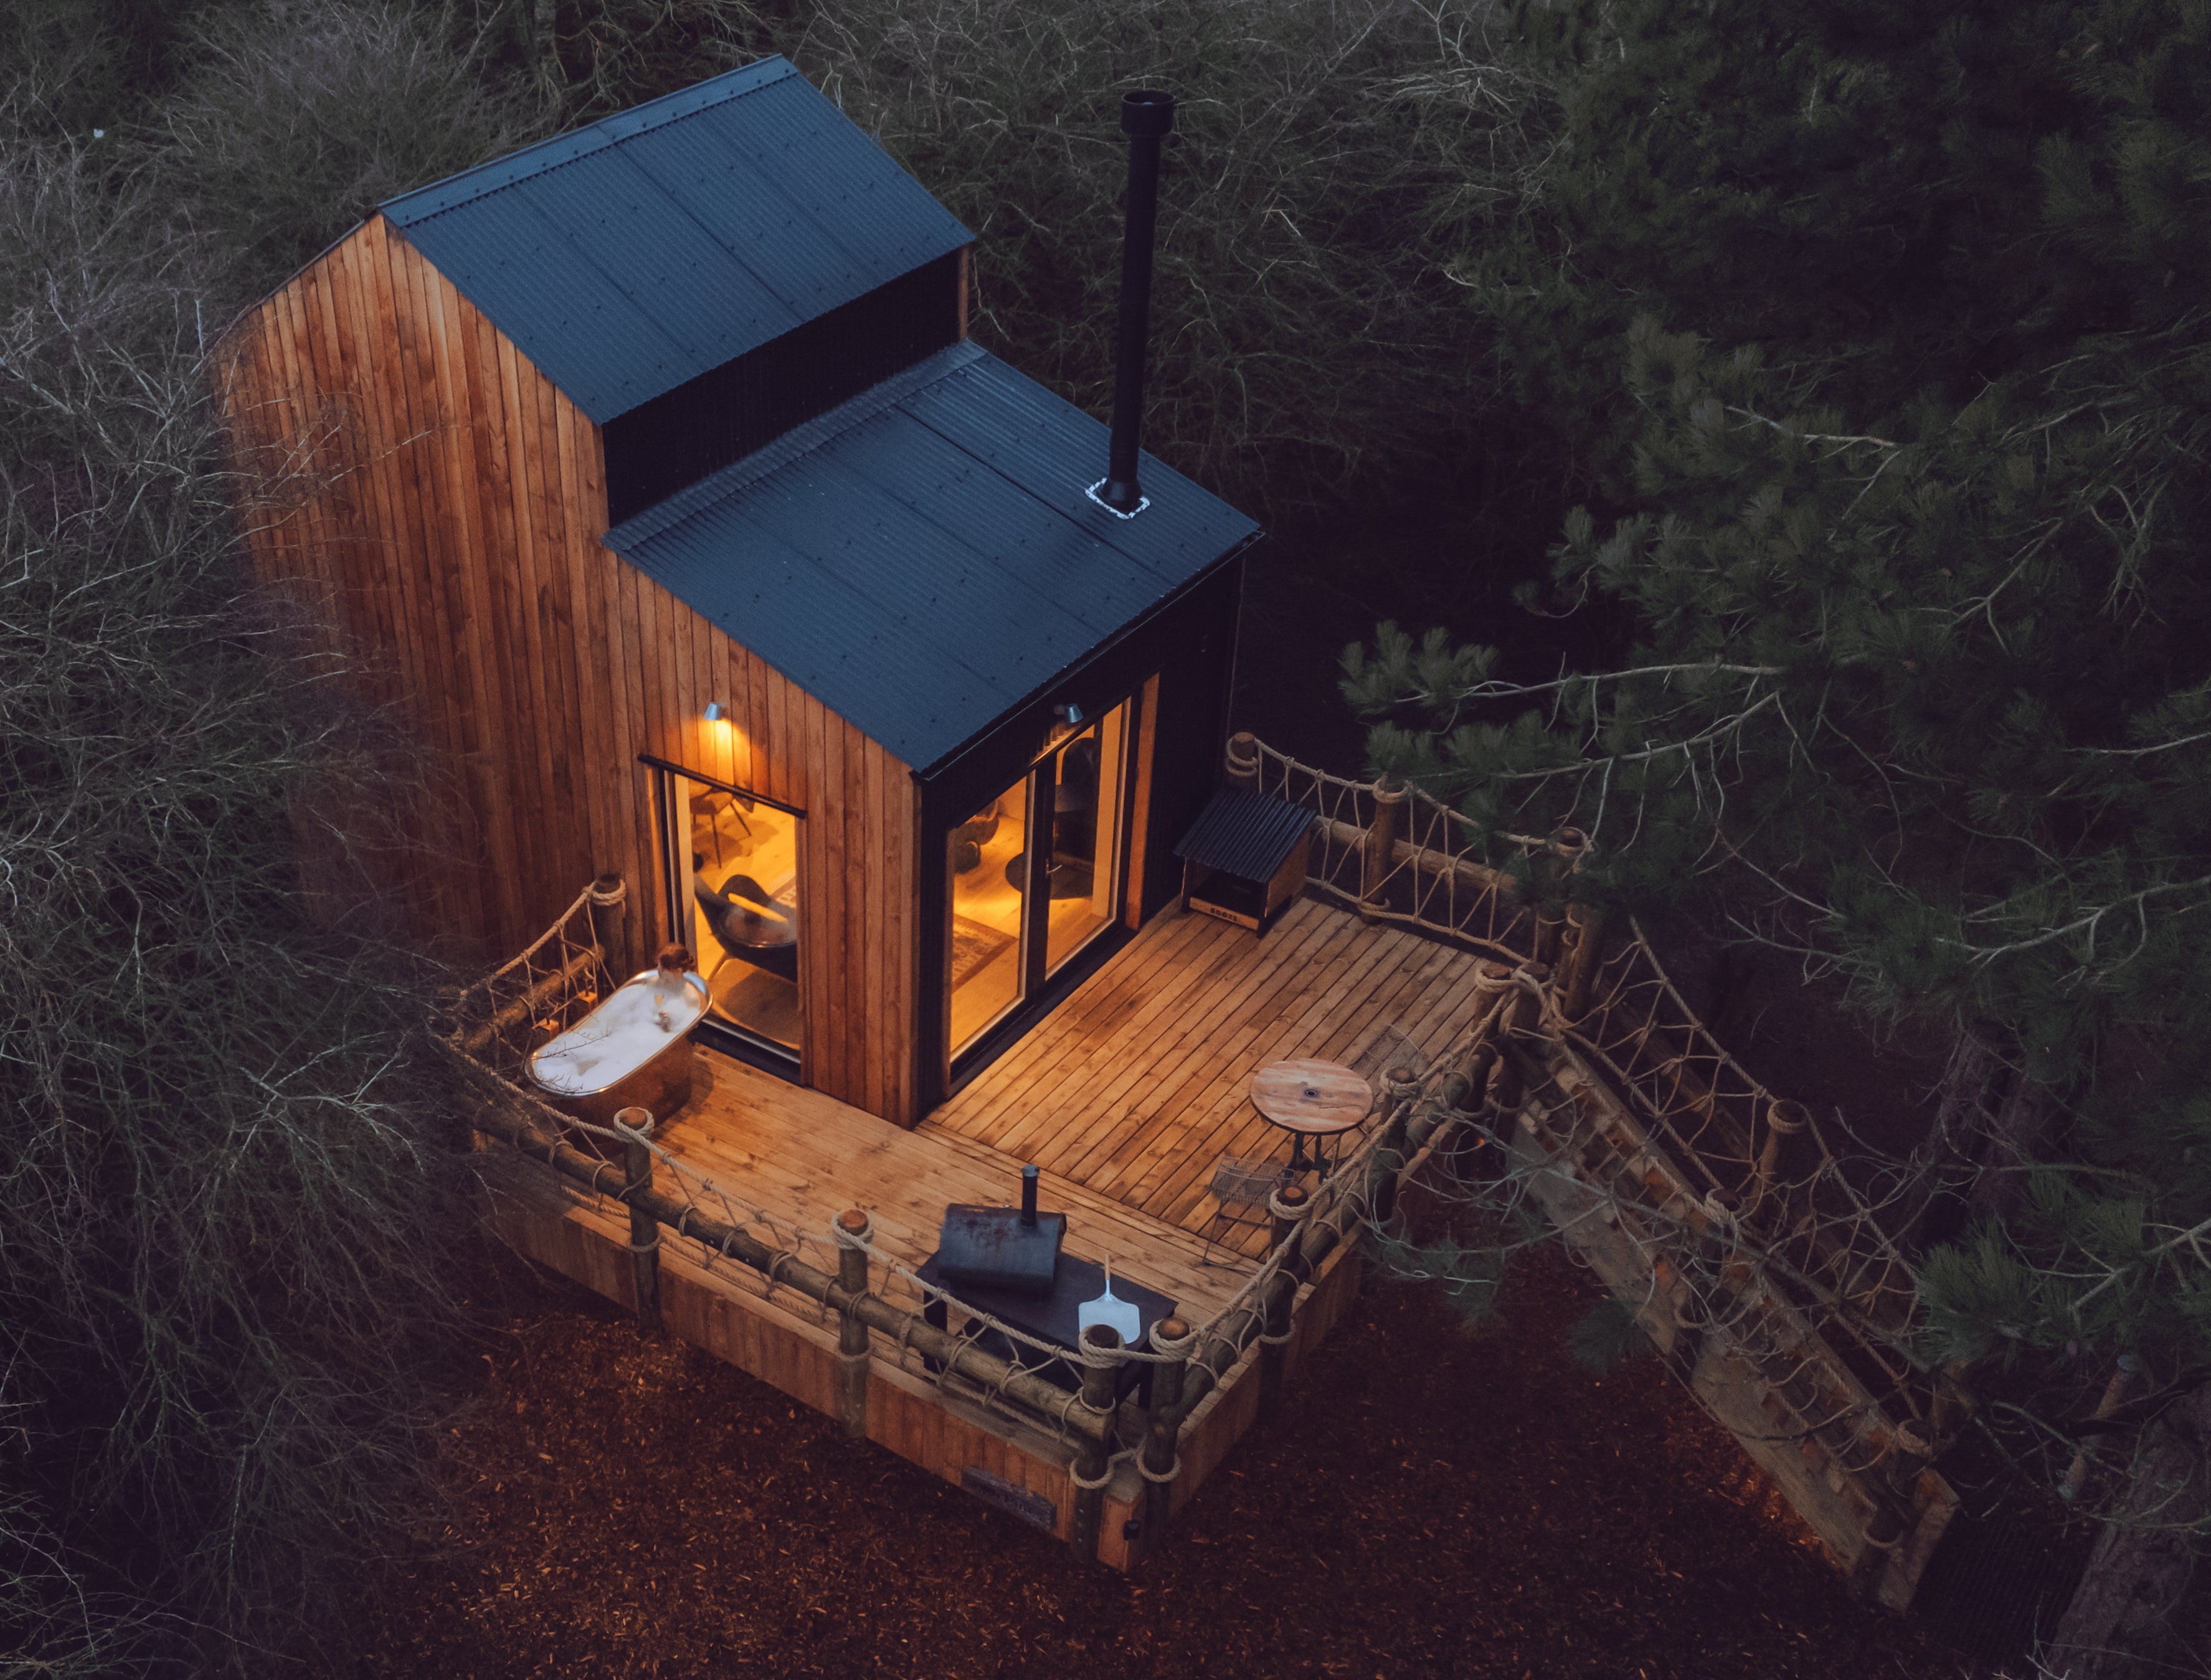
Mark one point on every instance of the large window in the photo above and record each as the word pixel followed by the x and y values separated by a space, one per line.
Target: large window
pixel 1059 824
pixel 733 863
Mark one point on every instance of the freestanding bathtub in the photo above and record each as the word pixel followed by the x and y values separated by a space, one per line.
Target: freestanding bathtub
pixel 633 1050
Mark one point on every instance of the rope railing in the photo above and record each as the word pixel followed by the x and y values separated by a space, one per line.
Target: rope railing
pixel 495 1024
pixel 1746 1222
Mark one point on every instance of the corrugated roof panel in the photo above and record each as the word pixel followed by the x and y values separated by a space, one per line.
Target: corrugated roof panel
pixel 724 193
pixel 846 182
pixel 816 629
pixel 670 239
pixel 799 440
pixel 693 291
pixel 928 564
pixel 1055 451
pixel 1061 572
pixel 565 316
pixel 905 573
pixel 410 207
pixel 1245 833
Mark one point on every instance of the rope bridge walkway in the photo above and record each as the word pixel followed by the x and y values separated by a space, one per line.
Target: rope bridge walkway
pixel 1755 1256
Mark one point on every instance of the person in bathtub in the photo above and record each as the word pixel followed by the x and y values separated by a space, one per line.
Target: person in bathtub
pixel 670 983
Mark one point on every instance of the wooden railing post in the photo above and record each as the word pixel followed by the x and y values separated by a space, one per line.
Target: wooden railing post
pixel 1568 847
pixel 1162 1456
pixel 1378 856
pixel 1286 1206
pixel 1520 1016
pixel 1243 763
pixel 609 921
pixel 853 1231
pixel 1584 933
pixel 1089 1471
pixel 644 1228
pixel 1784 1121
pixel 1278 1301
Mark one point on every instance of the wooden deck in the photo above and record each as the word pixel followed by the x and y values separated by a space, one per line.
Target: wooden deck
pixel 1125 1095
pixel 1139 1082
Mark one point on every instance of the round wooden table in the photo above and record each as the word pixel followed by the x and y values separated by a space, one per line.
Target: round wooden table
pixel 1310 1099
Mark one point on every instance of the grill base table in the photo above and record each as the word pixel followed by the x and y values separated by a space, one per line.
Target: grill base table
pixel 1051 1318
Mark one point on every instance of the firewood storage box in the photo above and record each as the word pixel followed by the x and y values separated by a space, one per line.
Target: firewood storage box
pixel 1244 859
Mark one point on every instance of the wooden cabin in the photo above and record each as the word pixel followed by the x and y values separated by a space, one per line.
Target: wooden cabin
pixel 652 472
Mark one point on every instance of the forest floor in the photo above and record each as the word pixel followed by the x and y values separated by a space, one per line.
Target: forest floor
pixel 1431 1503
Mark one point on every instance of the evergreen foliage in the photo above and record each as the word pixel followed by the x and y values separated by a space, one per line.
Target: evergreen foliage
pixel 1911 511
pixel 232 1197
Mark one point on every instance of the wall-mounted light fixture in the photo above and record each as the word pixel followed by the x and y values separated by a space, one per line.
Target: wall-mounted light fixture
pixel 717 712
pixel 1066 717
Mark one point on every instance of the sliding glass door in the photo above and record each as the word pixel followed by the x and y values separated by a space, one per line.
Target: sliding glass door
pixel 1059 825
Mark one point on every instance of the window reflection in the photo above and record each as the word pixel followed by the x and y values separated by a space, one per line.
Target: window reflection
pixel 987 857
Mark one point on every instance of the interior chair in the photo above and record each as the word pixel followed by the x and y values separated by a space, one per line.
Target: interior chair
pixel 748 923
pixel 971 836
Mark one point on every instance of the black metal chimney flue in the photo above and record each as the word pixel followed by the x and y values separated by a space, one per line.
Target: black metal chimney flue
pixel 1146 118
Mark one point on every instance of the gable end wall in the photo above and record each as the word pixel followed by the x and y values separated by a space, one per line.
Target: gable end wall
pixel 441 503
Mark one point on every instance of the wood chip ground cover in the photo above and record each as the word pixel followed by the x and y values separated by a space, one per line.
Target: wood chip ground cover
pixel 1429 1504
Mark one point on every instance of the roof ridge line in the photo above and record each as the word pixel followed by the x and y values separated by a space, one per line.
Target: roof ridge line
pixel 608 132
pixel 802 439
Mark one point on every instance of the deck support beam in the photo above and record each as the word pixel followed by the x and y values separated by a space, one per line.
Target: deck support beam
pixel 1289 1207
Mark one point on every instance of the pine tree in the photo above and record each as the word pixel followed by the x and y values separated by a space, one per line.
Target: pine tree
pixel 1911 491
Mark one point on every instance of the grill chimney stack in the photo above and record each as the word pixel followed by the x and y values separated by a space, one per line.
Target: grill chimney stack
pixel 1146 118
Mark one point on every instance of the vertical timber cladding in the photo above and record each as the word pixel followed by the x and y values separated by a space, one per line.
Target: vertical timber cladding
pixel 424 478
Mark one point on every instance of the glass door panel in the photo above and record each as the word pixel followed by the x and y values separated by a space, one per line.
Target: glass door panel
pixel 1084 787
pixel 987 860
pixel 1060 823
pixel 740 919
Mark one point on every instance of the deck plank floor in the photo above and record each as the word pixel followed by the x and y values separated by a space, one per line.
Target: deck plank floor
pixel 1140 1082
pixel 803 1158
pixel 1125 1095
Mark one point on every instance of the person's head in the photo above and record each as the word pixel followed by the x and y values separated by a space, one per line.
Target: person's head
pixel 675 959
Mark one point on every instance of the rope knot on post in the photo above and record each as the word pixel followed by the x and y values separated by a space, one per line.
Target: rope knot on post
pixel 1288 1203
pixel 1243 759
pixel 1092 1467
pixel 1091 1485
pixel 1173 1338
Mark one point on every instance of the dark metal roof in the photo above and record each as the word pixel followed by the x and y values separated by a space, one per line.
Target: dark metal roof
pixel 924 558
pixel 629 257
pixel 1245 833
